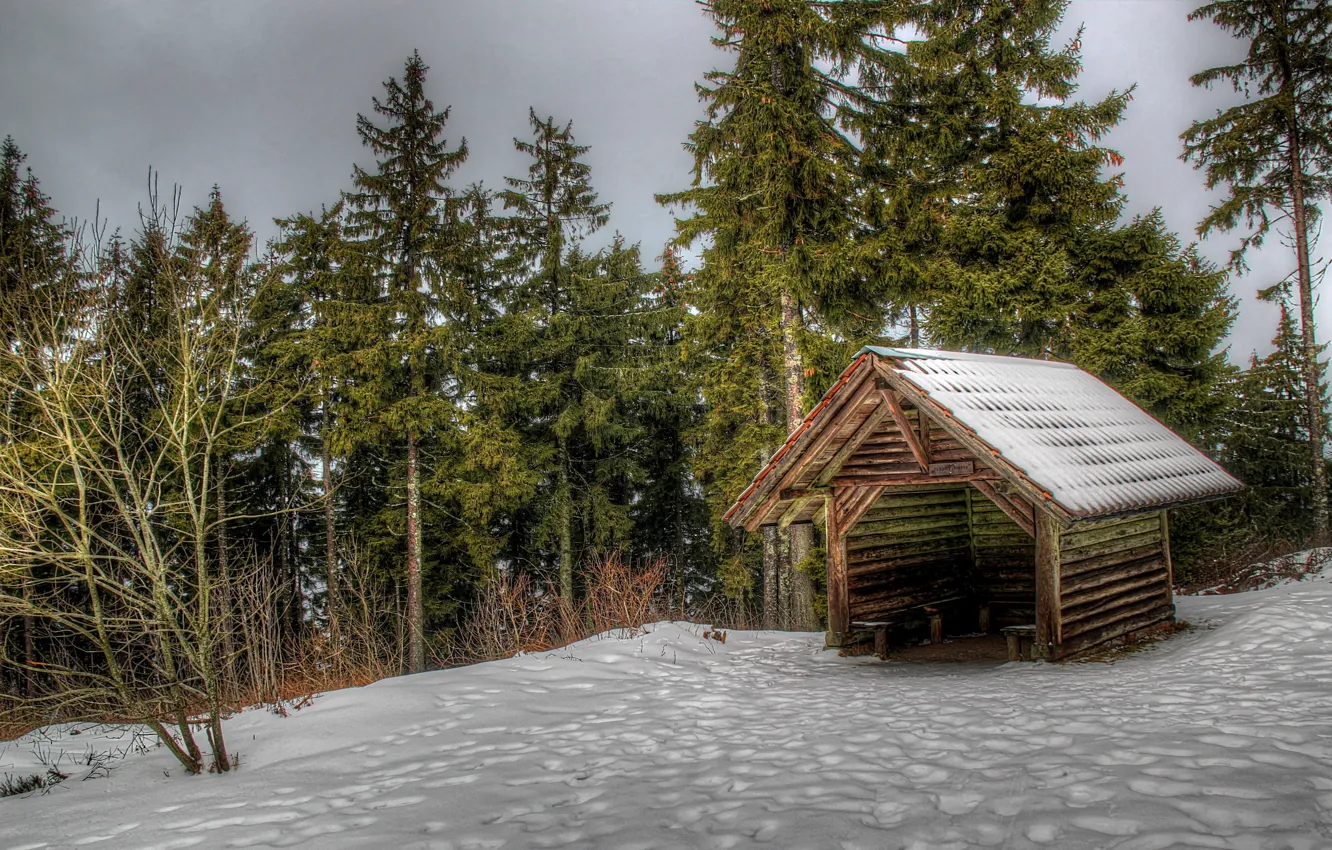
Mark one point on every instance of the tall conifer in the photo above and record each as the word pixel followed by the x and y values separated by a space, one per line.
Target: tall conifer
pixel 396 216
pixel 1270 153
pixel 584 368
pixel 774 196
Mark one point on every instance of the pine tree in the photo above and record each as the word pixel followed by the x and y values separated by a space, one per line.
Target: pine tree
pixel 774 196
pixel 1150 317
pixel 1270 154
pixel 396 218
pixel 1265 435
pixel 299 342
pixel 1027 178
pixel 575 310
pixel 32 242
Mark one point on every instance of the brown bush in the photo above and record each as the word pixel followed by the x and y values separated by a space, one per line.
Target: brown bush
pixel 514 614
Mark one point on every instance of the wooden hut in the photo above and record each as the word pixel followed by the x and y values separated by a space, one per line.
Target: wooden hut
pixel 978 491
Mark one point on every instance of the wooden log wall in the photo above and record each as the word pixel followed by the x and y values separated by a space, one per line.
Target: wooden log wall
pixel 907 550
pixel 1005 558
pixel 1114 579
pixel 887 453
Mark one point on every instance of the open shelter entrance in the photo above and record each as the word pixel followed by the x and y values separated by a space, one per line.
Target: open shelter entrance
pixel 961 492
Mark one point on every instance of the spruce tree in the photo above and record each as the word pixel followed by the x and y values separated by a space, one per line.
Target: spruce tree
pixel 670 517
pixel 1028 171
pixel 302 347
pixel 34 267
pixel 395 219
pixel 1149 317
pixel 573 414
pixel 32 242
pixel 1270 154
pixel 774 196
pixel 1265 434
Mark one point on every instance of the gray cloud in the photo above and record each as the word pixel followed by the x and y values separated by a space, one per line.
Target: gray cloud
pixel 261 99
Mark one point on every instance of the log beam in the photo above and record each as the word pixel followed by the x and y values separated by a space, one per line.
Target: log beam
pixel 797 507
pixel 890 480
pixel 839 597
pixel 1048 627
pixel 862 500
pixel 1169 566
pixel 908 433
pixel 1025 521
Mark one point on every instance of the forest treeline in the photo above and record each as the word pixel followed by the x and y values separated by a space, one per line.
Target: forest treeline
pixel 216 455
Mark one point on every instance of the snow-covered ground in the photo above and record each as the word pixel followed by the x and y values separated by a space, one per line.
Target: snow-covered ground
pixel 1218 737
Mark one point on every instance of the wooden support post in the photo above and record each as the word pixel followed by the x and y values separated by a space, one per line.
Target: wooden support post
pixel 839 599
pixel 984 623
pixel 881 642
pixel 1170 567
pixel 936 625
pixel 1048 613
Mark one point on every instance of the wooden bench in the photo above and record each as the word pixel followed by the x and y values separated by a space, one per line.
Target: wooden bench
pixel 1021 639
pixel 880 627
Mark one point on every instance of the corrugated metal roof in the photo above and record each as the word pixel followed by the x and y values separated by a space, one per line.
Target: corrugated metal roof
pixel 1093 450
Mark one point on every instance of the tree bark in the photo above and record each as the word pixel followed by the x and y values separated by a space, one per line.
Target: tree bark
pixel 1313 397
pixel 333 602
pixel 565 511
pixel 224 620
pixel 415 610
pixel 772 559
pixel 800 596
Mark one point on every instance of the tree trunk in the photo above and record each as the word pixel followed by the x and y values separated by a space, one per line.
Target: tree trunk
pixel 1313 398
pixel 564 509
pixel 333 601
pixel 914 326
pixel 771 579
pixel 224 620
pixel 29 635
pixel 772 561
pixel 415 610
pixel 800 595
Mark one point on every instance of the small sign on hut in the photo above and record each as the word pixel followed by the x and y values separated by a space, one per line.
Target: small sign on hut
pixel 1011 491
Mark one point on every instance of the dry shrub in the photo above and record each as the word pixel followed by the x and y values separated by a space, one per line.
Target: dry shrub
pixel 363 641
pixel 1225 569
pixel 619 596
pixel 514 614
pixel 15 722
pixel 728 612
pixel 1259 567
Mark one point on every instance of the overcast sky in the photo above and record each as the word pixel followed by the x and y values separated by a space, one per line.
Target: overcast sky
pixel 261 98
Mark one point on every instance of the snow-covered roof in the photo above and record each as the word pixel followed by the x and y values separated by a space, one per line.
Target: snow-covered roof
pixel 1066 439
pixel 1091 448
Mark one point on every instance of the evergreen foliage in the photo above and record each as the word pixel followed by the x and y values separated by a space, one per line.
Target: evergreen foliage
pixel 586 362
pixel 774 202
pixel 1270 154
pixel 396 221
